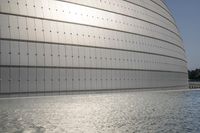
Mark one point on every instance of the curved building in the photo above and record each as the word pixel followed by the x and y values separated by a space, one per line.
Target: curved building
pixel 59 46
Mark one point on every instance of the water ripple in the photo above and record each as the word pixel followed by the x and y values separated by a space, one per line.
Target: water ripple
pixel 160 112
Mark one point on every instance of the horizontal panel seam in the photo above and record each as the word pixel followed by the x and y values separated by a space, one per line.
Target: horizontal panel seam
pixel 93 90
pixel 92 68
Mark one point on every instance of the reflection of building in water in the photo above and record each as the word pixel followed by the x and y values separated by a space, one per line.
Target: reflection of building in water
pixel 69 45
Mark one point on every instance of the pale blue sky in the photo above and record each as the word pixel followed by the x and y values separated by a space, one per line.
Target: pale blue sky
pixel 187 16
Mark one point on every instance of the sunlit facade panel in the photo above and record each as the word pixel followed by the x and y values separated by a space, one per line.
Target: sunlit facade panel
pixel 61 46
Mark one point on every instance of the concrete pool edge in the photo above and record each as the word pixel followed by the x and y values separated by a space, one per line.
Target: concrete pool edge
pixel 91 92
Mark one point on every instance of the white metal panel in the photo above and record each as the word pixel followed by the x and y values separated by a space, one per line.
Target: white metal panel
pixel 47 49
pixel 54 34
pixel 137 77
pixel 5 52
pixel 131 79
pixel 104 76
pixel 133 76
pixel 82 79
pixel 85 36
pixel 69 79
pixel 60 10
pixel 121 78
pixel 55 9
pixel 108 79
pixel 73 15
pixel 117 59
pixel 14 27
pixel 76 81
pixel 23 79
pixel 118 79
pixel 114 79
pixel 67 31
pixel 123 56
pixel 14 53
pixel 23 28
pixel 31 29
pixel 130 60
pixel 75 55
pixel 14 6
pixel 32 80
pixel 145 79
pixel 40 54
pixel 56 82
pixel 23 53
pixel 87 57
pixel 39 30
pixel 32 54
pixel 46 10
pixel 4 6
pixel 91 38
pixel 47 31
pixel 87 79
pixel 112 39
pixel 55 55
pixel 40 79
pixel 69 55
pixel 23 7
pixel 63 81
pixel 126 79
pixel 81 36
pixel 81 56
pixel 48 81
pixel 141 61
pixel 74 33
pixel 136 64
pixel 114 59
pixel 117 40
pixel 107 39
pixel 39 8
pixel 115 82
pixel 104 56
pixel 62 53
pixel 109 58
pixel 61 35
pixel 92 57
pixel 99 77
pixel 126 59
pixel 93 81
pixel 31 7
pixel 67 11
pixel 99 59
pixel 15 80
pixel 4 26
pixel 4 80
pixel 52 6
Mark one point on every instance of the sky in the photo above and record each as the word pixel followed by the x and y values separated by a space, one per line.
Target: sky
pixel 187 16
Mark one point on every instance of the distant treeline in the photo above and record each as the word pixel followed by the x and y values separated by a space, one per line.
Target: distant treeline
pixel 194 75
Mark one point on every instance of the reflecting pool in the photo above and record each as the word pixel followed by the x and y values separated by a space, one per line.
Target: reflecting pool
pixel 127 112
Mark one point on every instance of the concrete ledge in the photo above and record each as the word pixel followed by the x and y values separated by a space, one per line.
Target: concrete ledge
pixel 193 85
pixel 76 92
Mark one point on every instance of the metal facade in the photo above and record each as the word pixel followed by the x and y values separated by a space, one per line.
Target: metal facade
pixel 57 46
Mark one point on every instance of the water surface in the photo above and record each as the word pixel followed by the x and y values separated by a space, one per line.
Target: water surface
pixel 128 112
